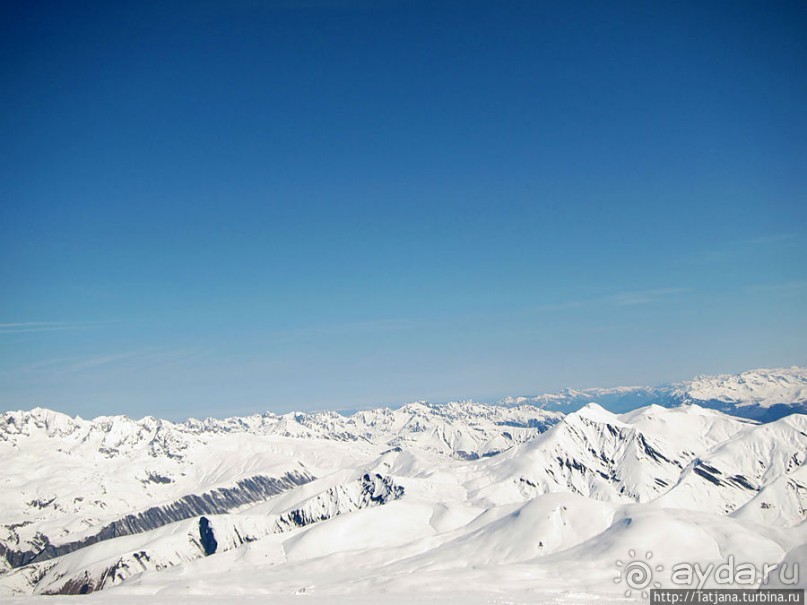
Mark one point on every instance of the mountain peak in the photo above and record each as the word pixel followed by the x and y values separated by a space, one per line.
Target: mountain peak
pixel 597 413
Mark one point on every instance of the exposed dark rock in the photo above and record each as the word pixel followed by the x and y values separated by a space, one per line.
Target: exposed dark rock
pixel 702 472
pixel 571 464
pixel 527 482
pixel 708 468
pixel 650 450
pixel 206 537
pixel 217 501
pixel 375 491
pixel 41 503
pixel 743 482
pixel 532 423
pixel 463 455
pixel 157 478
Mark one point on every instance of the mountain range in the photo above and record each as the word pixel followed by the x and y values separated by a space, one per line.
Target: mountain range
pixel 533 499
pixel 763 395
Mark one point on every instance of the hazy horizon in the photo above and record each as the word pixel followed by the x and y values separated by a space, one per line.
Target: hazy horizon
pixel 236 410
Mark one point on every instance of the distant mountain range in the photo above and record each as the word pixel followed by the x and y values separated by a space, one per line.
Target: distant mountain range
pixel 763 395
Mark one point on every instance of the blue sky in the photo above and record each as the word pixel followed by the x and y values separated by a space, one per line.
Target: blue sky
pixel 212 208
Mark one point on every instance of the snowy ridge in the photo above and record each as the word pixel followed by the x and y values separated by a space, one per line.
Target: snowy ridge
pixel 460 428
pixel 102 565
pixel 221 500
pixel 593 453
pixel 567 400
pixel 764 388
pixel 757 394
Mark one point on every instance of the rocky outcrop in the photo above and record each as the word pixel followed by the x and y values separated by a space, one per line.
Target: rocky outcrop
pixel 217 501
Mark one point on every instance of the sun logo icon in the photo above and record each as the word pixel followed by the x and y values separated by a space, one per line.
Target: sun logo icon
pixel 637 573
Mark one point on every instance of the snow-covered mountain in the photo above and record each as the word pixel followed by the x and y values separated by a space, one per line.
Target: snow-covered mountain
pixel 435 499
pixel 615 399
pixel 70 483
pixel 763 395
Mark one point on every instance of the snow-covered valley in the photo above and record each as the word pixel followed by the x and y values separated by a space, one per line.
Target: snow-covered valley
pixel 463 501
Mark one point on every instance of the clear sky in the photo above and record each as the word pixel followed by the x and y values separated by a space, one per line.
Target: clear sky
pixel 213 208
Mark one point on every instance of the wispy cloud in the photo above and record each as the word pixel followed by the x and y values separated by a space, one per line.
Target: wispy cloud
pixel 20 327
pixel 136 359
pixel 624 298
pixel 643 297
pixel 364 327
pixel 563 305
pixel 768 240
pixel 788 286
pixel 732 250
